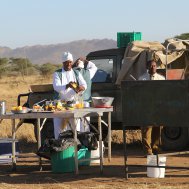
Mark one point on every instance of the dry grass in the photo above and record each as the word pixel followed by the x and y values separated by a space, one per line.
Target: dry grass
pixel 132 136
pixel 11 87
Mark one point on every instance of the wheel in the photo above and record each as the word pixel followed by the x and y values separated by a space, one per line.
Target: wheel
pixel 175 138
pixel 48 130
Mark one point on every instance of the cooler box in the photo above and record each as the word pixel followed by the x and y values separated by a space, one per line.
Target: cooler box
pixel 63 162
pixel 6 150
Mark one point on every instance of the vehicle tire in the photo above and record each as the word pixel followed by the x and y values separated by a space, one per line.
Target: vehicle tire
pixel 175 138
pixel 47 132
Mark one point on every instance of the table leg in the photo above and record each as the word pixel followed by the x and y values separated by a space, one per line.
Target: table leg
pixel 100 143
pixel 13 145
pixel 125 153
pixel 109 136
pixel 74 130
pixel 39 141
pixel 76 154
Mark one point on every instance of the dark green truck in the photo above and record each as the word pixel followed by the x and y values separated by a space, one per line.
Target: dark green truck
pixel 109 63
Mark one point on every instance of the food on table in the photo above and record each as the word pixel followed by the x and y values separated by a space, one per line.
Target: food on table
pixel 69 108
pixel 50 107
pixel 56 105
pixel 79 105
pixel 14 108
pixel 18 108
pixel 59 106
pixel 37 108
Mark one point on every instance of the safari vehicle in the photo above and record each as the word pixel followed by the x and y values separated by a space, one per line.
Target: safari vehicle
pixel 128 64
pixel 115 65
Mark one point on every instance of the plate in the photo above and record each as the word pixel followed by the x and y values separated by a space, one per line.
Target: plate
pixel 20 111
pixel 41 111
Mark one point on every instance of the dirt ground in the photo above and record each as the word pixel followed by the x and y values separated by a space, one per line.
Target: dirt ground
pixel 28 175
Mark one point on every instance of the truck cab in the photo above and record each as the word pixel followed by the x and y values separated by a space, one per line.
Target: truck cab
pixel 109 64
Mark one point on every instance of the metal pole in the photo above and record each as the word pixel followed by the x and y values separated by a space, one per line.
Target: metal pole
pixel 100 143
pixel 75 147
pixel 125 152
pixel 109 137
pixel 39 142
pixel 13 145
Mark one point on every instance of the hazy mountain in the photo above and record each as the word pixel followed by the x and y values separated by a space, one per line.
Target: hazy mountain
pixel 40 54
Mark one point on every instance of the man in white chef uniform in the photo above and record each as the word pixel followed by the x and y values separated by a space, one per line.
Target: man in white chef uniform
pixel 62 84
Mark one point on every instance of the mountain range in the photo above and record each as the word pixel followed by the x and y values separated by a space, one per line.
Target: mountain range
pixel 40 54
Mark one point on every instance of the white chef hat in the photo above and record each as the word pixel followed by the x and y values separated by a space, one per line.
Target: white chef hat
pixel 67 56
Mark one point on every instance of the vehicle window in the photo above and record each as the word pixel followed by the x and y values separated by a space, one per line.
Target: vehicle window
pixel 105 70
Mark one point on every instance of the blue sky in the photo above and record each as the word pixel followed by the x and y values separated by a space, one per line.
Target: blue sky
pixel 33 22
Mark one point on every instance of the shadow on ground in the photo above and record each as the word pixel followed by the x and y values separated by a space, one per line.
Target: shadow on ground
pixel 114 171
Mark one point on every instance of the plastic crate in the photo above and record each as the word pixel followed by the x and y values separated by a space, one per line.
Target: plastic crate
pixel 63 162
pixel 124 38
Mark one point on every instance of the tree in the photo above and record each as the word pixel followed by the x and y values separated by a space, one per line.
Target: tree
pixel 183 36
pixel 21 65
pixel 3 66
pixel 47 69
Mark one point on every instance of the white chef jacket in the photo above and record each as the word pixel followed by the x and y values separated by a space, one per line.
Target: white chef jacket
pixel 60 86
pixel 147 76
pixel 66 94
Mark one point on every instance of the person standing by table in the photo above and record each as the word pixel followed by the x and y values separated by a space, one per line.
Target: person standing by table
pixel 62 84
pixel 87 70
pixel 151 135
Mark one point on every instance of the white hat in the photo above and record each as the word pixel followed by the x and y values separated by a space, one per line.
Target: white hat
pixel 67 56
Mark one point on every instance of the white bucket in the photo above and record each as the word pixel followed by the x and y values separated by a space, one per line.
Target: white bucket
pixel 156 172
pixel 95 154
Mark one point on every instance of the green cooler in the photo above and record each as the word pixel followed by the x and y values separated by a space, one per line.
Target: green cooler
pixel 63 162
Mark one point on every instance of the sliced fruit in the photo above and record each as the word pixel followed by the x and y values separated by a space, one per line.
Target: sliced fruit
pixel 19 108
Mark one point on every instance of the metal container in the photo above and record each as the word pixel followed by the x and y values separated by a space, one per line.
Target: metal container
pixel 102 102
pixel 2 107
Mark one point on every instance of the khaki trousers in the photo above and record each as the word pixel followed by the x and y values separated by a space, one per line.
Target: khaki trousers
pixel 151 138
